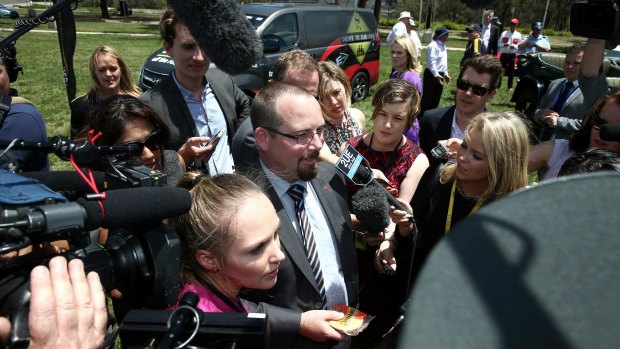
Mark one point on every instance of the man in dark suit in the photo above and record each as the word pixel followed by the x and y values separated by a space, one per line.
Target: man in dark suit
pixel 489 33
pixel 288 126
pixel 296 67
pixel 562 108
pixel 477 84
pixel 197 102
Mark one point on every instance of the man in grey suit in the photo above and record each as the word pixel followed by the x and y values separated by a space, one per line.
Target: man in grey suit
pixel 197 102
pixel 289 130
pixel 562 108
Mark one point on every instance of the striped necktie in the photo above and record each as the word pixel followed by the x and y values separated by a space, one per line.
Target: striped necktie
pixel 296 192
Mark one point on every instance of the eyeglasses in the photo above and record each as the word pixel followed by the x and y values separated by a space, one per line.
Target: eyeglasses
pixel 153 141
pixel 302 137
pixel 598 121
pixel 476 89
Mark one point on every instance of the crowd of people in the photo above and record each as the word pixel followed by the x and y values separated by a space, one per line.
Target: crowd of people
pixel 270 229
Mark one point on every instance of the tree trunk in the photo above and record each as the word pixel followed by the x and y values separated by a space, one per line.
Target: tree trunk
pixel 103 5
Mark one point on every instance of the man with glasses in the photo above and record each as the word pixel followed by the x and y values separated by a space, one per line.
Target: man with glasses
pixel 296 67
pixel 478 81
pixel 320 269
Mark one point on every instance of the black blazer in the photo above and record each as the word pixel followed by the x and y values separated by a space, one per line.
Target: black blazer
pixel 167 100
pixel 296 288
pixel 493 40
pixel 436 125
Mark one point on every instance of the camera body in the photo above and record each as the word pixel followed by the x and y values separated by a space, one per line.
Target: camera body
pixel 597 19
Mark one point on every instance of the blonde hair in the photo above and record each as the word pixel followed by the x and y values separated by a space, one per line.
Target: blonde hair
pixel 330 71
pixel 210 223
pixel 505 137
pixel 126 86
pixel 413 63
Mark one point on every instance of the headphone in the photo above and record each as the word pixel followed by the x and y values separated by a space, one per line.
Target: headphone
pixel 9 52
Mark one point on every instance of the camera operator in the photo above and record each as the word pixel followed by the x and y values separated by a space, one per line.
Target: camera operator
pixel 19 118
pixel 125 120
pixel 67 308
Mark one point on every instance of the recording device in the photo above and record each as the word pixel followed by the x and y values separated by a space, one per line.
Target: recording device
pixel 222 32
pixel 598 19
pixel 8 53
pixel 141 257
pixel 370 205
pixel 214 139
pixel 610 132
pixel 357 169
pixel 439 152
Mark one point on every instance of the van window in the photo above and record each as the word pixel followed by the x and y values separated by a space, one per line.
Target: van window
pixel 284 28
pixel 322 28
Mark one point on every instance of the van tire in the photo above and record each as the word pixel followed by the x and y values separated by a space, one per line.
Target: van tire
pixel 360 84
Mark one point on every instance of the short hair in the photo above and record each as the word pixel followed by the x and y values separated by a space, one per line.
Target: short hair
pixel 593 160
pixel 488 10
pixel 397 91
pixel 264 111
pixel 575 48
pixel 167 26
pixel 112 114
pixel 209 225
pixel 580 140
pixel 330 71
pixel 413 63
pixel 297 60
pixel 126 85
pixel 505 137
pixel 489 64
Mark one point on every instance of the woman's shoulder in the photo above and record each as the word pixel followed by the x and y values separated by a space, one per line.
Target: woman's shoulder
pixel 358 116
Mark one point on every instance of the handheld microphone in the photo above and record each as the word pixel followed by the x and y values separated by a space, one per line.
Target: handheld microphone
pixel 68 183
pixel 370 205
pixel 221 31
pixel 353 165
pixel 610 132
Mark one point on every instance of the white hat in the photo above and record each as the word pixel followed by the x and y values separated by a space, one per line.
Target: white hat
pixel 404 14
pixel 411 22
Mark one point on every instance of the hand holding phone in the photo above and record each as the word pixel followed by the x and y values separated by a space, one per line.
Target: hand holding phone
pixel 439 152
pixel 214 139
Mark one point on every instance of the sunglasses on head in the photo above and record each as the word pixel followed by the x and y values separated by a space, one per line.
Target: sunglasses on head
pixel 152 141
pixel 476 89
pixel 598 121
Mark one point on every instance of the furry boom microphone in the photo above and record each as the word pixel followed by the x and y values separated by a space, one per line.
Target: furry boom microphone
pixel 222 31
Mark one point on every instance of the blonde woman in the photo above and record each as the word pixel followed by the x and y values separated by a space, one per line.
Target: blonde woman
pixel 110 76
pixel 406 66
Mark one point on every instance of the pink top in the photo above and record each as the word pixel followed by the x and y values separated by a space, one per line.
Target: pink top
pixel 210 302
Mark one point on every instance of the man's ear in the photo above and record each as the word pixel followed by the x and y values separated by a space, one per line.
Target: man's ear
pixel 207 260
pixel 492 94
pixel 263 138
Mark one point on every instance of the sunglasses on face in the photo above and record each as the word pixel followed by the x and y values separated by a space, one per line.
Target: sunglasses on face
pixel 152 141
pixel 476 89
pixel 598 121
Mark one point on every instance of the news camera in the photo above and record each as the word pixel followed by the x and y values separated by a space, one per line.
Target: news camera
pixel 599 19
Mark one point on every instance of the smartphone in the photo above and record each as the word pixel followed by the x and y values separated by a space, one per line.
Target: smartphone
pixel 439 152
pixel 214 139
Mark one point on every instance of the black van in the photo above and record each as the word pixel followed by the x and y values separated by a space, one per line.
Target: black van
pixel 345 36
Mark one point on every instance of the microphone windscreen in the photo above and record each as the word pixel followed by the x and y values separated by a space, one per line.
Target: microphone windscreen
pixel 610 132
pixel 370 205
pixel 136 206
pixel 222 31
pixel 68 183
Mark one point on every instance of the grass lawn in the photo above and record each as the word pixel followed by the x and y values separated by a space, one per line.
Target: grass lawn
pixel 43 82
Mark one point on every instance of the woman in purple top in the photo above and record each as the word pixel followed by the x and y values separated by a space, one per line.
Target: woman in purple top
pixel 406 66
pixel 229 241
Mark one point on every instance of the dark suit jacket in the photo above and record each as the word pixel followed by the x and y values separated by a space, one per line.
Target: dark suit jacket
pixel 243 149
pixel 296 288
pixel 436 125
pixel 493 40
pixel 167 100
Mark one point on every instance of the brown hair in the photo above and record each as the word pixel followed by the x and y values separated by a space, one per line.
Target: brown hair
pixel 489 64
pixel 397 91
pixel 126 85
pixel 299 60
